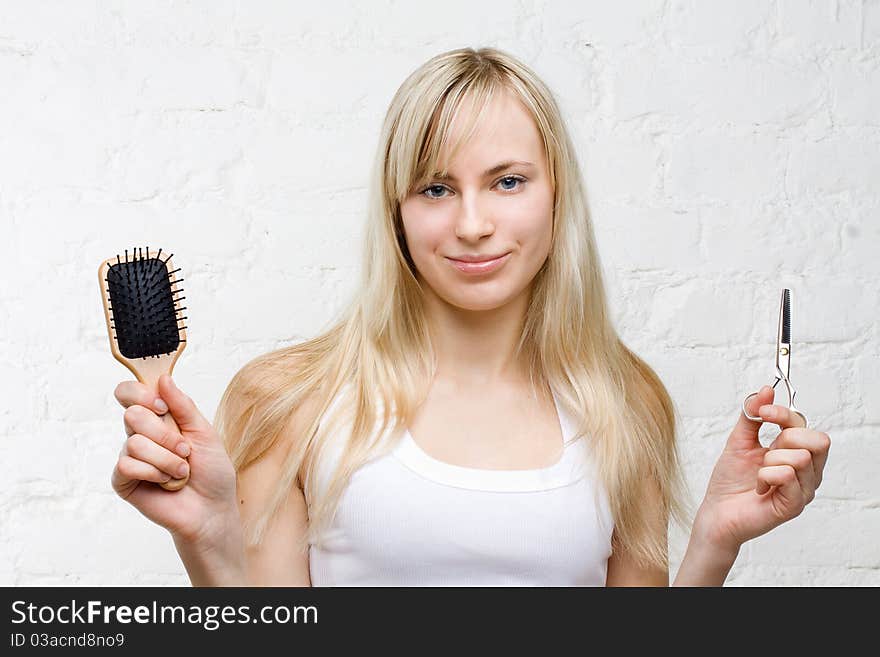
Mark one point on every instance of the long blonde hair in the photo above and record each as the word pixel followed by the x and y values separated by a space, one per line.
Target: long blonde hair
pixel 377 357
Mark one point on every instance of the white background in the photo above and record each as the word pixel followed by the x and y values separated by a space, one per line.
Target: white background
pixel 730 149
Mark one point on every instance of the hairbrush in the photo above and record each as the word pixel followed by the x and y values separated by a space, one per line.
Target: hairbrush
pixel 140 297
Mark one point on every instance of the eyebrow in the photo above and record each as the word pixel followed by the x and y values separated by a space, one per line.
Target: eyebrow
pixel 491 171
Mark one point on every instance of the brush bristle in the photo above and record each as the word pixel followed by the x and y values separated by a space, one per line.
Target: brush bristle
pixel 143 305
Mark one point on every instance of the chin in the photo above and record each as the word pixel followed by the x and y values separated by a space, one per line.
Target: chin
pixel 477 307
pixel 477 299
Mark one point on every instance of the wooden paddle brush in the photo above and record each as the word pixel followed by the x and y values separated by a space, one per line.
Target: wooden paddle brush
pixel 140 297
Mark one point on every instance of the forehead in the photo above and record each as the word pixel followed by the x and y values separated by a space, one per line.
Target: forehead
pixel 506 130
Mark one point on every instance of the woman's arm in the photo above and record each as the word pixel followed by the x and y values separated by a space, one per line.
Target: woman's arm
pixel 275 562
pixel 623 569
pixel 704 564
pixel 752 490
pixel 215 565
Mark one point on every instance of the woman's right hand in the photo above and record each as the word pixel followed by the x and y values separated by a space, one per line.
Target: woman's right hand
pixel 204 512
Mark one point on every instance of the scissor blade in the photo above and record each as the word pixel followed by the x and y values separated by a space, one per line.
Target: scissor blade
pixel 783 347
pixel 786 316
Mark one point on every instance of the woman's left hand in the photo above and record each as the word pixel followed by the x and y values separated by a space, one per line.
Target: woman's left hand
pixel 753 488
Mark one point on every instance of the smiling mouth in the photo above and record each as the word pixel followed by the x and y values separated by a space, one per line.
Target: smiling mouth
pixel 481 266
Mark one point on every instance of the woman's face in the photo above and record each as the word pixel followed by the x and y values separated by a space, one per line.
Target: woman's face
pixel 480 212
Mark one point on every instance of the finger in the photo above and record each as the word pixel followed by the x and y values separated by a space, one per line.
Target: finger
pixel 145 422
pixel 802 462
pixel 789 490
pixel 144 449
pixel 132 469
pixel 183 409
pixel 745 432
pixel 781 415
pixel 817 442
pixel 129 393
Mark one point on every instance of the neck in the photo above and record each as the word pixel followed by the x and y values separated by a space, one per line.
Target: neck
pixel 476 348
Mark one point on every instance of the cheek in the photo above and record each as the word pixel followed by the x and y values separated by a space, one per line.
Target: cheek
pixel 424 237
pixel 532 227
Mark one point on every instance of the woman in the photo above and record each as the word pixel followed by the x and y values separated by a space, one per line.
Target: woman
pixel 473 417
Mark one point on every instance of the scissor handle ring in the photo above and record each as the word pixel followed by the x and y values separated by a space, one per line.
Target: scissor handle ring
pixel 803 417
pixel 746 413
pixel 760 419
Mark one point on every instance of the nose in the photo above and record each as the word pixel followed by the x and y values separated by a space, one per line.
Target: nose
pixel 473 222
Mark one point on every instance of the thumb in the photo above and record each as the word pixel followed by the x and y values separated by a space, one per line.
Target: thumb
pixel 745 432
pixel 182 408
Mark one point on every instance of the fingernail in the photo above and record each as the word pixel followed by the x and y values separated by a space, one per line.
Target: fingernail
pixel 182 449
pixel 161 406
pixel 768 411
pixel 182 470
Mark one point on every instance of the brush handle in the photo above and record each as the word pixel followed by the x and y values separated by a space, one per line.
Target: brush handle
pixel 149 372
pixel 173 484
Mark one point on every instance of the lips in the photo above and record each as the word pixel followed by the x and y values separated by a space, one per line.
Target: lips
pixel 477 258
pixel 481 266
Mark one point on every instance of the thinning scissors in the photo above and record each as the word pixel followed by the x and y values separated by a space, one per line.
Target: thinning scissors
pixel 783 357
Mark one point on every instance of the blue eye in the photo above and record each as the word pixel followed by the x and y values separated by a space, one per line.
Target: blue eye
pixel 516 179
pixel 513 178
pixel 430 187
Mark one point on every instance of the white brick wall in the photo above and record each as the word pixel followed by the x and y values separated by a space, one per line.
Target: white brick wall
pixel 730 149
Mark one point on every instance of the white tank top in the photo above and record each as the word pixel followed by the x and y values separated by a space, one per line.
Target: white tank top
pixel 408 519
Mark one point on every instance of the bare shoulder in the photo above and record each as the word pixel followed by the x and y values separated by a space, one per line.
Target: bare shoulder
pixel 252 389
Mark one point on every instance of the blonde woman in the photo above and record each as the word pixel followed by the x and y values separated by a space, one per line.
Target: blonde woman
pixel 472 417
